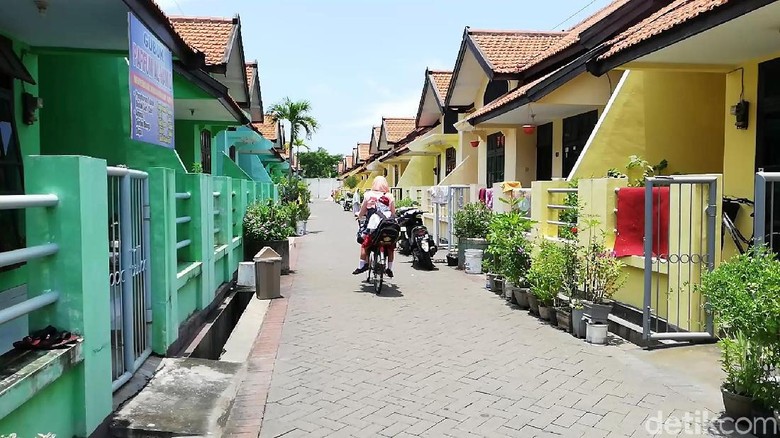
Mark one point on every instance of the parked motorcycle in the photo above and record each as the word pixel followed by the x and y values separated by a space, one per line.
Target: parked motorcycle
pixel 347 203
pixel 414 238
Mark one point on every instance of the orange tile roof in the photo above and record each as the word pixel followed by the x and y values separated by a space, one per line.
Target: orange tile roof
pixel 363 151
pixel 513 95
pixel 350 161
pixel 674 14
pixel 396 129
pixel 210 35
pixel 507 51
pixel 269 128
pixel 441 79
pixel 573 34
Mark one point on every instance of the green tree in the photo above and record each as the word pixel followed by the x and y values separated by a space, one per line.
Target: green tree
pixel 298 115
pixel 351 182
pixel 318 164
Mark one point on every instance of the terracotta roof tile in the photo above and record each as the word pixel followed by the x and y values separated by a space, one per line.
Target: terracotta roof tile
pixel 396 129
pixel 269 128
pixel 363 151
pixel 573 34
pixel 212 36
pixel 674 14
pixel 441 79
pixel 507 51
pixel 376 131
pixel 350 161
pixel 513 95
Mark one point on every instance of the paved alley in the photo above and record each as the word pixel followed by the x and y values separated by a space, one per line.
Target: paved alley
pixel 438 355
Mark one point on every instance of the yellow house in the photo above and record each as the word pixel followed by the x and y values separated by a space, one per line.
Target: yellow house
pixel 432 153
pixel 392 133
pixel 695 91
pixel 538 130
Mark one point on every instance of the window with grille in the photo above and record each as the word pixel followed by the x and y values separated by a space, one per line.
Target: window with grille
pixel 11 172
pixel 495 158
pixel 449 160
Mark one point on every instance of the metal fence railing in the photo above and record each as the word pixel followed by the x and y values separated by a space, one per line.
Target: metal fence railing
pixel 129 271
pixel 22 255
pixel 558 206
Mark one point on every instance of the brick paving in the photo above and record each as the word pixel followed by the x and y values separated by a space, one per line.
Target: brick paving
pixel 438 355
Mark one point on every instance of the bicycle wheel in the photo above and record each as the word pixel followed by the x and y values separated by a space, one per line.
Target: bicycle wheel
pixel 379 272
pixel 370 266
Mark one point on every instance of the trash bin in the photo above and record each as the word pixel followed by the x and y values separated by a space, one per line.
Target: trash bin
pixel 268 271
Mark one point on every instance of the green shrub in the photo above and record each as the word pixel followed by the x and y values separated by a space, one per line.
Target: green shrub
pixel 509 251
pixel 264 222
pixel 406 202
pixel 546 273
pixel 472 222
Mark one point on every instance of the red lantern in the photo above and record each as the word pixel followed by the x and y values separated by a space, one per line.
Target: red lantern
pixel 474 143
pixel 529 129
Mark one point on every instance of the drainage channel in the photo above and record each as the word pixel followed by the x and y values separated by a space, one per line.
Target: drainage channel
pixel 210 341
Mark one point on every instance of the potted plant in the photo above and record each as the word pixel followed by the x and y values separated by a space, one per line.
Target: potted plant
pixel 578 325
pixel 569 296
pixel 471 227
pixel 268 224
pixel 601 274
pixel 743 296
pixel 563 315
pixel 546 277
pixel 509 250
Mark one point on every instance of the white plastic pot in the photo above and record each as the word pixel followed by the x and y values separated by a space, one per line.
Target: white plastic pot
pixel 596 333
pixel 473 261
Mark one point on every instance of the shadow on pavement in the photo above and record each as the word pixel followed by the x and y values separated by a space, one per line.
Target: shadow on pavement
pixel 389 290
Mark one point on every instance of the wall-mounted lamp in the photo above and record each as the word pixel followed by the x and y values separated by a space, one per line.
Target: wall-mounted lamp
pixel 30 105
pixel 741 113
pixel 474 143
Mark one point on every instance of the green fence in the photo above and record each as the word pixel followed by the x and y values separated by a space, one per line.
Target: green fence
pixel 196 245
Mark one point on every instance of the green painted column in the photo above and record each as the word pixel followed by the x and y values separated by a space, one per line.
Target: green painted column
pixel 201 209
pixel 79 271
pixel 223 223
pixel 162 200
pixel 251 190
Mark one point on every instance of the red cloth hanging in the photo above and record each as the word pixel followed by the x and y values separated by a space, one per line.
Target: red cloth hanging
pixel 631 222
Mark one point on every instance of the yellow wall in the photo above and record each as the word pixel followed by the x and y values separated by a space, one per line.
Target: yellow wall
pixel 419 172
pixel 525 165
pixel 658 115
pixel 464 172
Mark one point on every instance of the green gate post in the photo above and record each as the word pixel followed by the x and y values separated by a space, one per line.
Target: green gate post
pixel 201 209
pixel 78 271
pixel 223 221
pixel 162 200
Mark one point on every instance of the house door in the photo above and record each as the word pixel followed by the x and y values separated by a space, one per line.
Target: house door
pixel 544 151
pixel 768 135
pixel 495 158
pixel 576 131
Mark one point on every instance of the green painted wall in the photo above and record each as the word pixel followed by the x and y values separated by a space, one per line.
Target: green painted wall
pixel 91 115
pixel 59 403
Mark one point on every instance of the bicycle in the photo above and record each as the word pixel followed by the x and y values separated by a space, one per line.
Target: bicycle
pixel 731 207
pixel 383 239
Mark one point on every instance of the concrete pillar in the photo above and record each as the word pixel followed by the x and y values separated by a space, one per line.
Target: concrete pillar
pixel 162 192
pixel 510 154
pixel 79 272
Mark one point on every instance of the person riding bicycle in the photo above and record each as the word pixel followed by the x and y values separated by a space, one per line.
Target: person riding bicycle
pixel 377 202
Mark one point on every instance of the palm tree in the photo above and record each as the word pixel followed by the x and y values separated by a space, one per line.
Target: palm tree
pixel 299 143
pixel 297 114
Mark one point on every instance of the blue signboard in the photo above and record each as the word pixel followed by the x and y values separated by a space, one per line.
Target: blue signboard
pixel 151 87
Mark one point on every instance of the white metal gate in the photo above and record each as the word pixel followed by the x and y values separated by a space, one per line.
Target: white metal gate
pixel 676 259
pixel 129 271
